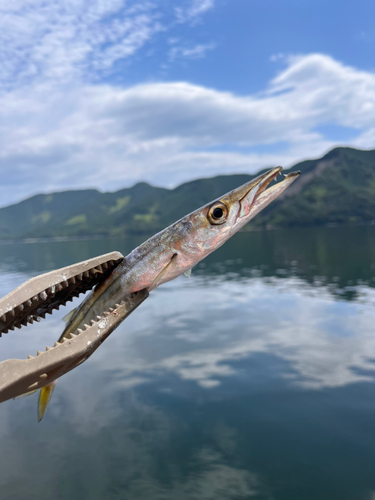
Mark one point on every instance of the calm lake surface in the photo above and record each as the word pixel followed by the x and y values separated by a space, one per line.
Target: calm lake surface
pixel 253 379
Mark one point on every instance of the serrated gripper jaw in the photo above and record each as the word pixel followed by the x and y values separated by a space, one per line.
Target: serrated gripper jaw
pixel 20 376
pixel 41 295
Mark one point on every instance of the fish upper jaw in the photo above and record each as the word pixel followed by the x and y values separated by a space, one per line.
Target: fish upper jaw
pixel 259 186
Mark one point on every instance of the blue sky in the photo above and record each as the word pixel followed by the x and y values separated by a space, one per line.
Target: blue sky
pixel 107 93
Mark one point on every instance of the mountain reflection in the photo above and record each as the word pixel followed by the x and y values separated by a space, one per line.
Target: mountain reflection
pixel 338 258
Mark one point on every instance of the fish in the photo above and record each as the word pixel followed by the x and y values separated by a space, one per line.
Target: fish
pixel 175 251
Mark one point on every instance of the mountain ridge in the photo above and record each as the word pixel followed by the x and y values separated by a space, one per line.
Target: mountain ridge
pixel 337 188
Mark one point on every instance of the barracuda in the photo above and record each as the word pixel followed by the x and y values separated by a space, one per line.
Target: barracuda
pixel 175 250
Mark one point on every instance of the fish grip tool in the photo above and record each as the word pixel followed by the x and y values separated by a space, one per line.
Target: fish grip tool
pixel 40 295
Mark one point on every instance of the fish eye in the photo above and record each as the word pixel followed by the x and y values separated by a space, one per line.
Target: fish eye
pixel 218 213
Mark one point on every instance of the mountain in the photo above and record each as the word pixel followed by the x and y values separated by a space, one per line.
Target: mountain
pixel 338 188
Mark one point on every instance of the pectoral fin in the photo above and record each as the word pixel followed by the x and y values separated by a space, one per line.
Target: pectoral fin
pixel 44 398
pixel 26 394
pixel 188 273
pixel 69 316
pixel 162 274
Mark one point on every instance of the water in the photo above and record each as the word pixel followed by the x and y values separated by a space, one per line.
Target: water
pixel 255 379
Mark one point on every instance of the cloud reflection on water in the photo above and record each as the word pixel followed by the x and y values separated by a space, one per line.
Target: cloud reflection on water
pixel 199 332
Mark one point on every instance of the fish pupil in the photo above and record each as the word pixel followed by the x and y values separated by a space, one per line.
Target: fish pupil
pixel 217 213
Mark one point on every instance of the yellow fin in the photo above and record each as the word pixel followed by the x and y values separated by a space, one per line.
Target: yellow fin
pixel 161 275
pixel 44 398
pixel 69 316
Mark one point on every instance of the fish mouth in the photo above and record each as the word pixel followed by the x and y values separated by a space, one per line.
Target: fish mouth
pixel 266 196
pixel 254 196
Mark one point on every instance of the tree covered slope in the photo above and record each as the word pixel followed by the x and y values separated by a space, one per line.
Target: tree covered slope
pixel 338 188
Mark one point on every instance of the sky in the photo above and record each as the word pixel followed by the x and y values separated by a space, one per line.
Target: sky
pixel 106 93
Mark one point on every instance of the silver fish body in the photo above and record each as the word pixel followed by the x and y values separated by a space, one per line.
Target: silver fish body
pixel 177 249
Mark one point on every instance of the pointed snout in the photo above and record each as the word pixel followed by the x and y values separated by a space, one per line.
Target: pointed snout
pixel 254 195
pixel 253 187
pixel 246 194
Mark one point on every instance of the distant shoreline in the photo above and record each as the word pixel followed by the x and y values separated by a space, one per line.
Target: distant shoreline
pixel 58 239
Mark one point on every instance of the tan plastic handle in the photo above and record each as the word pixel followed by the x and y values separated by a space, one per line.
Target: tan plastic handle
pixel 44 293
pixel 19 376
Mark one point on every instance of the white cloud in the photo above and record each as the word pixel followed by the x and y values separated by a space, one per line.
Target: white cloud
pixel 195 52
pixel 61 41
pixel 193 10
pixel 70 136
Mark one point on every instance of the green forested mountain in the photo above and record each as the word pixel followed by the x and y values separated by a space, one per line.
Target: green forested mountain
pixel 338 188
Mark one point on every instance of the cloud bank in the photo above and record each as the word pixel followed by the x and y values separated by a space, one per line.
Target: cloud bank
pixel 62 127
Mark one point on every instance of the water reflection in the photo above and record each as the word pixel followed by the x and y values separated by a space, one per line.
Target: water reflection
pixel 253 379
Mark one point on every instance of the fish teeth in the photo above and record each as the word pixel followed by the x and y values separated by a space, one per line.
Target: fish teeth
pixel 56 344
pixel 28 303
pixel 72 335
pixel 30 357
pixel 3 317
pixel 86 326
pixel 43 295
pixel 79 331
pixel 38 353
pixel 12 313
pixel 48 348
pixel 99 318
pixel 92 322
